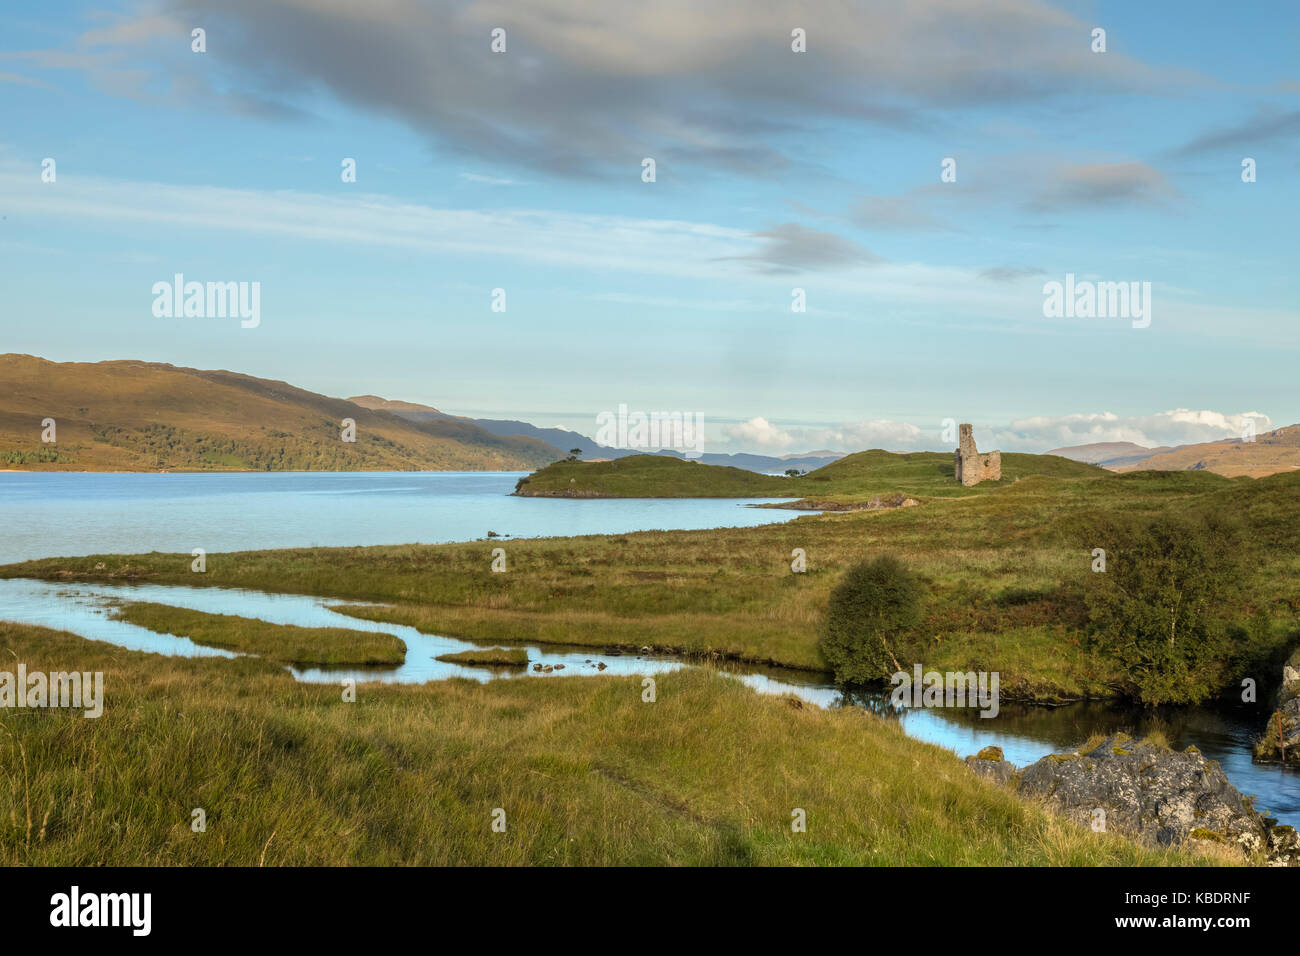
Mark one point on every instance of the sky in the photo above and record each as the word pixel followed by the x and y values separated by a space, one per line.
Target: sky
pixel 778 175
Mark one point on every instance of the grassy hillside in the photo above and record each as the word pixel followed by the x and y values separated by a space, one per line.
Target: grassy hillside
pixel 140 416
pixel 1004 572
pixel 854 477
pixel 585 772
pixel 648 476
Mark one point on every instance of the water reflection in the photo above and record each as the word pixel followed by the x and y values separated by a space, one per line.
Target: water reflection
pixel 1024 733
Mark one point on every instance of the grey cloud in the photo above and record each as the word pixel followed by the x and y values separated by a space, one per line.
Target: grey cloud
pixel 1098 184
pixel 590 87
pixel 1262 129
pixel 790 247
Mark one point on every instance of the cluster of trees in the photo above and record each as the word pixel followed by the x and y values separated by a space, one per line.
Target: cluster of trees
pixel 37 456
pixel 173 447
pixel 1165 609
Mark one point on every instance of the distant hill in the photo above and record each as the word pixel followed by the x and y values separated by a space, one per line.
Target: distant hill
pixel 1270 453
pixel 143 416
pixel 1102 452
pixel 856 477
pixel 567 440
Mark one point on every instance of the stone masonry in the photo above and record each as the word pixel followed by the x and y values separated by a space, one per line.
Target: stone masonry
pixel 971 466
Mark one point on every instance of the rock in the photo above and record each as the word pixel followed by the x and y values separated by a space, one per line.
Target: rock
pixel 1281 737
pixel 1284 846
pixel 970 466
pixel 601 666
pixel 1149 793
pixel 989 763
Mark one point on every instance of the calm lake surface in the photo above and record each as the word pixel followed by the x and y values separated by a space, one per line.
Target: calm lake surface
pixel 63 515
pixel 46 515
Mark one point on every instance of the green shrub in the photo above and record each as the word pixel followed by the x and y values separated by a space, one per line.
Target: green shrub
pixel 1162 606
pixel 875 603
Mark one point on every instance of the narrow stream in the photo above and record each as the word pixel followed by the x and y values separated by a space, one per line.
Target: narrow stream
pixel 1024 733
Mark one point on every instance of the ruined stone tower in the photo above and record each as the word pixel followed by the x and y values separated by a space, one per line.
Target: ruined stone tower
pixel 971 466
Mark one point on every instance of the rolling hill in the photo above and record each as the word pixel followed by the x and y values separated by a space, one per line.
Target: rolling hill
pixel 1270 453
pixel 1107 452
pixel 143 416
pixel 853 478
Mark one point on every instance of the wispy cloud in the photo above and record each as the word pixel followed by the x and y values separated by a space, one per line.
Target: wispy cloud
pixel 1265 128
pixel 1104 184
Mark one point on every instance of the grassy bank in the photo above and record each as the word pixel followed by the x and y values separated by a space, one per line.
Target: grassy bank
pixel 586 773
pixel 1004 574
pixel 275 642
pixel 853 478
pixel 489 657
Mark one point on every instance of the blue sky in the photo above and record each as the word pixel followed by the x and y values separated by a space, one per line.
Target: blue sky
pixel 776 170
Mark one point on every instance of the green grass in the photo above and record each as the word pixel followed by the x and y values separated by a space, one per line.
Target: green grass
pixel 852 478
pixel 1004 572
pixel 585 771
pixel 276 642
pixel 490 657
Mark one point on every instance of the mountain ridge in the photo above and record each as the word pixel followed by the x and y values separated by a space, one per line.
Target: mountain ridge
pixel 133 415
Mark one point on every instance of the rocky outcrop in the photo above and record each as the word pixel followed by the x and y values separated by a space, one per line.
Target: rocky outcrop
pixel 1148 792
pixel 990 764
pixel 970 466
pixel 1281 738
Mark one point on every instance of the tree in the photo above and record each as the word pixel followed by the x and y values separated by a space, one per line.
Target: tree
pixel 1160 607
pixel 794 473
pixel 875 603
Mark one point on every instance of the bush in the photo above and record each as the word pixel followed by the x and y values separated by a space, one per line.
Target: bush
pixel 1161 606
pixel 874 604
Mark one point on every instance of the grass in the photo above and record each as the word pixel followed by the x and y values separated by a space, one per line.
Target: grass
pixel 277 642
pixel 1004 572
pixel 854 478
pixel 586 773
pixel 490 657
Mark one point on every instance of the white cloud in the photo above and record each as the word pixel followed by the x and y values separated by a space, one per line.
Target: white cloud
pixel 1179 426
pixel 760 435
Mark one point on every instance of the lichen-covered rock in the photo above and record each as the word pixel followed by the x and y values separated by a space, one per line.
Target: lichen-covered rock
pixel 1283 846
pixel 1150 793
pixel 1281 738
pixel 1148 790
pixel 990 764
